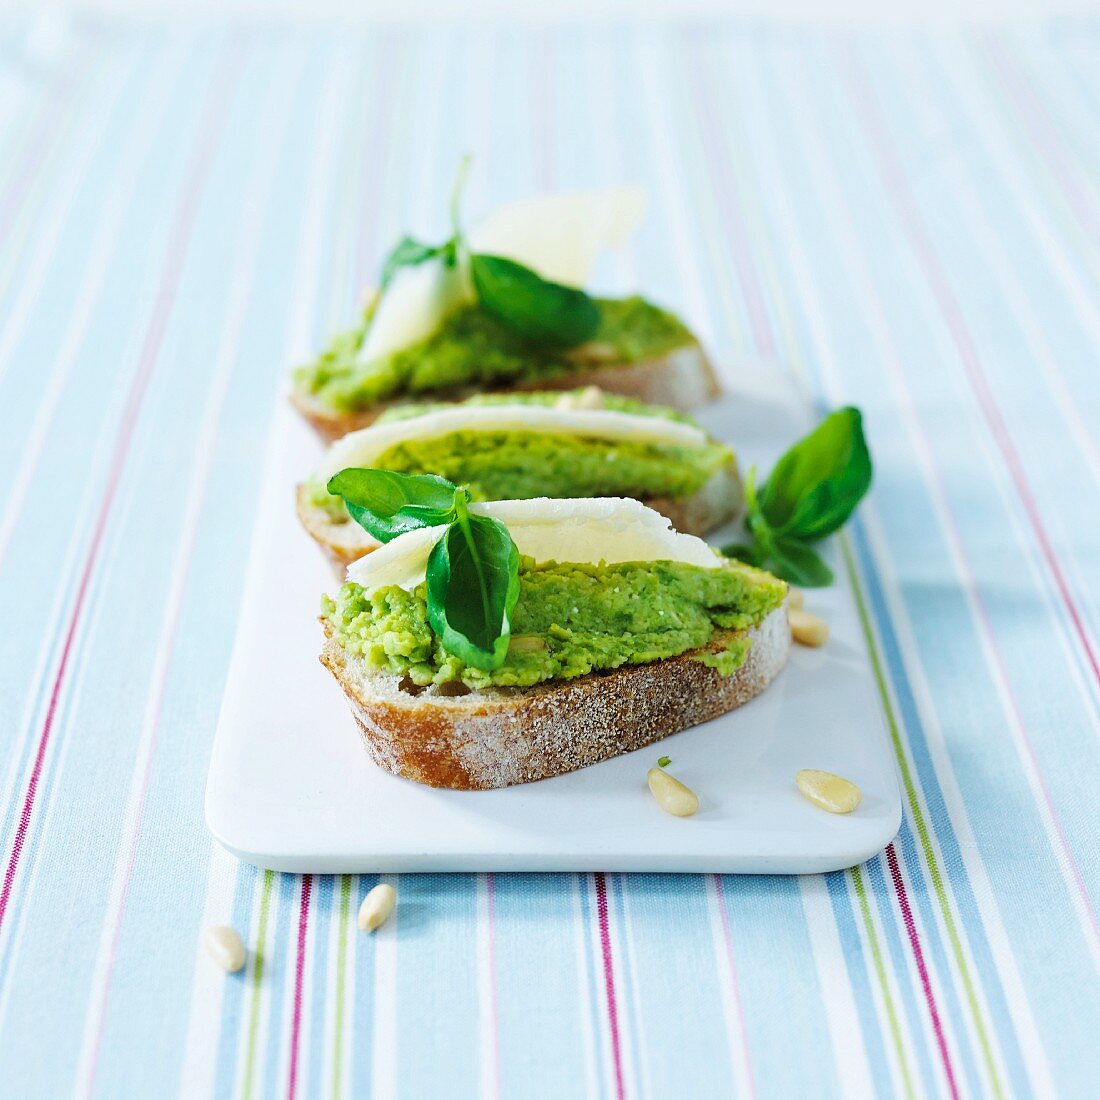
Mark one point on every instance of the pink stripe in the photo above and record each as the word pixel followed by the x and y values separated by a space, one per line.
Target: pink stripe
pixel 165 648
pixel 903 900
pixel 1041 126
pixel 299 977
pixel 609 983
pixel 728 200
pixel 964 344
pixel 162 307
pixel 727 938
pixel 922 970
pixel 44 133
pixel 862 100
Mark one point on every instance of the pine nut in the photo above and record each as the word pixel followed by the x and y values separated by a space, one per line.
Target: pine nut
pixel 594 351
pixel 224 946
pixel 672 796
pixel 526 643
pixel 807 629
pixel 830 792
pixel 796 599
pixel 377 906
pixel 591 397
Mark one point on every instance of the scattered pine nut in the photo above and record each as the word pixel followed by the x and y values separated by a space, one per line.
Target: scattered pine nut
pixel 672 796
pixel 591 397
pixel 225 947
pixel 828 791
pixel 807 629
pixel 796 599
pixel 594 351
pixel 526 643
pixel 377 906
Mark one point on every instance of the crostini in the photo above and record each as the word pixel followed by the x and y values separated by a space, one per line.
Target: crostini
pixel 501 309
pixel 525 639
pixel 581 443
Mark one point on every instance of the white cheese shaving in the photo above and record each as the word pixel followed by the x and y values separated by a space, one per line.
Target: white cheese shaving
pixel 412 307
pixel 559 236
pixel 607 529
pixel 364 447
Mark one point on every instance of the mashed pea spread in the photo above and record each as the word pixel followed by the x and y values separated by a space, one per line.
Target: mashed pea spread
pixel 520 465
pixel 516 465
pixel 570 619
pixel 473 348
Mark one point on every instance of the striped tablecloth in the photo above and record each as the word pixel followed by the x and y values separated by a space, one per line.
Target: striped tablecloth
pixel 908 223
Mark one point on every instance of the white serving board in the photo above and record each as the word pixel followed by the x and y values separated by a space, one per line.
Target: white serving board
pixel 291 787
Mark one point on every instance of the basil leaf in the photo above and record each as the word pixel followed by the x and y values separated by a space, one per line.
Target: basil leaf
pixel 800 564
pixel 812 491
pixel 408 252
pixel 533 306
pixel 750 554
pixel 792 561
pixel 473 585
pixel 387 504
pixel 817 484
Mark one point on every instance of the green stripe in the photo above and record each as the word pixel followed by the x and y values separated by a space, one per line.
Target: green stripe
pixel 256 981
pixel 775 285
pixel 920 824
pixel 880 970
pixel 341 965
pixel 348 222
pixel 772 289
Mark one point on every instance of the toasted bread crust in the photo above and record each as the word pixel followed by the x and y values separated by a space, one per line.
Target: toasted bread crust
pixel 681 379
pixel 716 502
pixel 504 736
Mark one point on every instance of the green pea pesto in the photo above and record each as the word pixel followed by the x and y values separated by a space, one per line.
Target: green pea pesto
pixel 474 349
pixel 515 465
pixel 730 657
pixel 570 619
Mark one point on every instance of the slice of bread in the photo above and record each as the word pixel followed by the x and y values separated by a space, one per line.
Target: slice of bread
pixel 682 379
pixel 717 501
pixel 449 736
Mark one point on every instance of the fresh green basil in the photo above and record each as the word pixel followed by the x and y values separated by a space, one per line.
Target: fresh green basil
pixel 387 504
pixel 800 564
pixel 811 492
pixel 473 585
pixel 408 252
pixel 473 570
pixel 538 309
pixel 817 484
pixel 534 307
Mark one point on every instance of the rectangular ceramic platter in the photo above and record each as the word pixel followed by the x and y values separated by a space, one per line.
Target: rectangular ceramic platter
pixel 291 787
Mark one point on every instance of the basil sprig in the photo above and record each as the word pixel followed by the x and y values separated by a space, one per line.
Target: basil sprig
pixel 387 504
pixel 473 585
pixel 811 492
pixel 408 252
pixel 533 307
pixel 473 570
